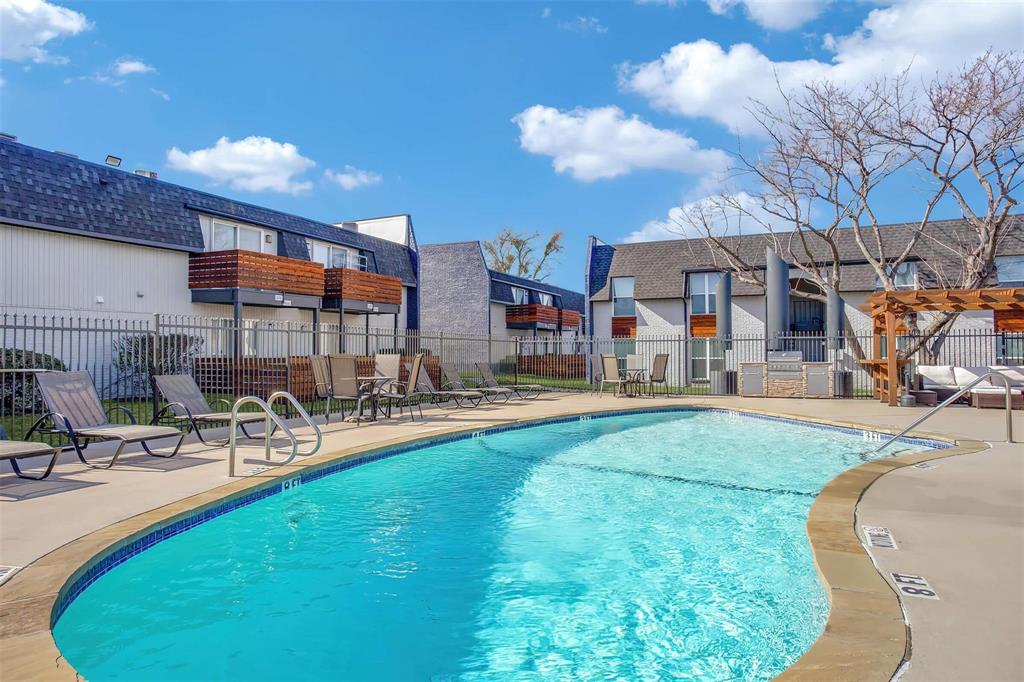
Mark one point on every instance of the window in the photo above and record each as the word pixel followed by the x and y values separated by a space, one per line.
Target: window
pixel 335 255
pixel 905 277
pixel 622 297
pixel 520 296
pixel 545 299
pixel 702 292
pixel 1010 269
pixel 227 236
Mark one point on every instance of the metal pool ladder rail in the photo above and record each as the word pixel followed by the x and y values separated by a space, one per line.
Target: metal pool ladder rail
pixel 271 416
pixel 947 401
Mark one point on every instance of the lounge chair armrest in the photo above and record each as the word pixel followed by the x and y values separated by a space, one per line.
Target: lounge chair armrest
pixel 163 410
pixel 53 417
pixel 230 405
pixel 122 408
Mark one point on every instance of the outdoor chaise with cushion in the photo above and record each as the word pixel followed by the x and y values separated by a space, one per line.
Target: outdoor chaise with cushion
pixel 453 381
pixel 488 380
pixel 426 386
pixel 610 374
pixel 75 411
pixel 19 449
pixel 186 402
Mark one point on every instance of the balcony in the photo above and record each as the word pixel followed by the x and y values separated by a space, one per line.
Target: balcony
pixel 266 279
pixel 359 291
pixel 569 319
pixel 531 316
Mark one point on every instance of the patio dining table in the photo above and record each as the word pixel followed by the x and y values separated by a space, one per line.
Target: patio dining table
pixel 634 381
pixel 375 381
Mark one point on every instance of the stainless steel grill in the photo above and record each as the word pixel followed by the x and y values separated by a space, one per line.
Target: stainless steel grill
pixel 785 364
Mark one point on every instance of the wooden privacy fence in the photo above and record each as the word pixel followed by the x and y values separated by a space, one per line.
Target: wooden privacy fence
pixel 553 366
pixel 263 376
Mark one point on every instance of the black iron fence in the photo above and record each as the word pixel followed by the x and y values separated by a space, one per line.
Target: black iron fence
pixel 258 357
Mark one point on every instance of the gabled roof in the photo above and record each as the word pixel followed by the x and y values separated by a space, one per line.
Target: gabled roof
pixel 52 191
pixel 659 268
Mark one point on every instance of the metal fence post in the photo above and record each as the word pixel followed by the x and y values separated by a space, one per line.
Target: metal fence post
pixel 154 362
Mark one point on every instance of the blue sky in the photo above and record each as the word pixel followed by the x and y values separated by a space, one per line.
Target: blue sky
pixel 469 116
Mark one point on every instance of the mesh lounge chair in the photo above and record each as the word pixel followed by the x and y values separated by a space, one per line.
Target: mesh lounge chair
pixel 344 383
pixel 596 373
pixel 525 391
pixel 426 386
pixel 454 382
pixel 610 374
pixel 14 450
pixel 75 411
pixel 186 402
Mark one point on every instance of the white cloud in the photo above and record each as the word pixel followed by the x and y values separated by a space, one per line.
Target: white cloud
pixel 27 25
pixel 777 15
pixel 351 178
pixel 727 220
pixel 254 164
pixel 546 12
pixel 126 67
pixel 583 25
pixel 161 94
pixel 703 79
pixel 668 3
pixel 591 144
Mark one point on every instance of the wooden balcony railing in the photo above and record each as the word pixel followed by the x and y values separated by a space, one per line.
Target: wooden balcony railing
pixel 532 313
pixel 624 326
pixel 356 285
pixel 569 319
pixel 252 270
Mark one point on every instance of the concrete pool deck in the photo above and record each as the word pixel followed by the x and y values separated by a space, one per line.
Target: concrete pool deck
pixel 958 524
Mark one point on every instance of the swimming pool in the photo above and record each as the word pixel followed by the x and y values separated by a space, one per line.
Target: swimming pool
pixel 639 546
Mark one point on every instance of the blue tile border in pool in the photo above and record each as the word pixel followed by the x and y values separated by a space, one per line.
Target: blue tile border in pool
pixel 126 551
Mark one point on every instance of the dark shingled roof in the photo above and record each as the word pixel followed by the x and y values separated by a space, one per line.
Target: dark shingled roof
pixel 57 192
pixel 659 267
pixel 502 283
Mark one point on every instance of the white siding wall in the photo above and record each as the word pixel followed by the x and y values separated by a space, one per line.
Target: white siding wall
pixel 602 323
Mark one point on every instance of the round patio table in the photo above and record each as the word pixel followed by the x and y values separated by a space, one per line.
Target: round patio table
pixel 634 381
pixel 376 381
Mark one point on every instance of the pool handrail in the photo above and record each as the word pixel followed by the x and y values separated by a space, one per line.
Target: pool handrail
pixel 952 398
pixel 271 416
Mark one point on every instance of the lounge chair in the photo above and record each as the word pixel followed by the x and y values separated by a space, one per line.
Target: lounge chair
pixel 453 381
pixel 75 411
pixel 186 402
pixel 426 385
pixel 596 373
pixel 610 374
pixel 344 383
pixel 14 450
pixel 488 380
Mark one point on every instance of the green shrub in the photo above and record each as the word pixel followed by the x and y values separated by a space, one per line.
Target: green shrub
pixel 18 393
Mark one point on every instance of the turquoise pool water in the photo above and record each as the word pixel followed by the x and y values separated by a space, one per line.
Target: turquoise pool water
pixel 639 547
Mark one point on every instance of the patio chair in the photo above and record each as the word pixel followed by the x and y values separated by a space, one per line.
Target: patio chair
pixel 389 365
pixel 322 382
pixel 186 402
pixel 658 372
pixel 14 450
pixel 405 393
pixel 75 411
pixel 610 374
pixel 453 381
pixel 344 383
pixel 525 391
pixel 596 372
pixel 426 385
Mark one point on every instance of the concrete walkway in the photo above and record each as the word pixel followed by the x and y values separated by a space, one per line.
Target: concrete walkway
pixel 959 524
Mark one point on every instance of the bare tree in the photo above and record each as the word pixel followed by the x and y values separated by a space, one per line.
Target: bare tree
pixel 965 132
pixel 515 253
pixel 829 150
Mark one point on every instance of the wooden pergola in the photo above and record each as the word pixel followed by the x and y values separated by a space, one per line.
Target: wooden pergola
pixel 887 309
